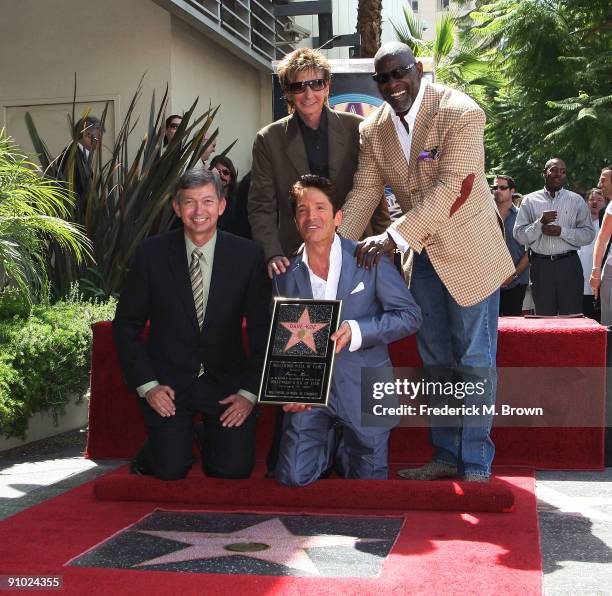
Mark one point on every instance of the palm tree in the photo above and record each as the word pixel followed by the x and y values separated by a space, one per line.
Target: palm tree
pixel 557 99
pixel 369 26
pixel 458 62
pixel 32 209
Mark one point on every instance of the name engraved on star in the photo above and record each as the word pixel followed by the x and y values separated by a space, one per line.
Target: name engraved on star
pixel 300 355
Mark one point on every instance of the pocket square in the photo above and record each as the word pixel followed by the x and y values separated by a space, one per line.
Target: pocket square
pixel 429 154
pixel 358 288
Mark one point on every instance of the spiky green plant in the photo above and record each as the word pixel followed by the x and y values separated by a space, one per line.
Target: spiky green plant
pixel 32 213
pixel 128 198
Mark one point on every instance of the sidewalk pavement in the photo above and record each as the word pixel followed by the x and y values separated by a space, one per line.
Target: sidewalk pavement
pixel 574 508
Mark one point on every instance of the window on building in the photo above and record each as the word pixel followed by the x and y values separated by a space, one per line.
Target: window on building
pixel 444 4
pixel 415 5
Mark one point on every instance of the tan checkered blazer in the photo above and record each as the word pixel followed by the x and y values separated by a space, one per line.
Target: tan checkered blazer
pixel 448 207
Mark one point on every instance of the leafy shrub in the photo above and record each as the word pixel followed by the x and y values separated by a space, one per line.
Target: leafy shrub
pixel 44 356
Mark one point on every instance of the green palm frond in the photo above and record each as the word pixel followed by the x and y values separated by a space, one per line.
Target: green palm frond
pixel 446 39
pixel 410 32
pixel 32 209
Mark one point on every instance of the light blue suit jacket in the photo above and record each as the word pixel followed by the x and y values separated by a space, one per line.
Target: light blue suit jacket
pixel 384 310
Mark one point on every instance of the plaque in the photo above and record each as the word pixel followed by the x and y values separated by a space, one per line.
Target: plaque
pixel 300 355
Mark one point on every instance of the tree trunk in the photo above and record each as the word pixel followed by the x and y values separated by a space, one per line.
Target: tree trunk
pixel 369 26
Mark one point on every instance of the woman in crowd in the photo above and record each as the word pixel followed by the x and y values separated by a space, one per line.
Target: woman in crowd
pixel 234 219
pixel 172 123
pixel 596 202
pixel 601 273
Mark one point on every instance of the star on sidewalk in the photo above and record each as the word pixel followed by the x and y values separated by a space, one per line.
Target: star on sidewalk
pixel 302 331
pixel 267 541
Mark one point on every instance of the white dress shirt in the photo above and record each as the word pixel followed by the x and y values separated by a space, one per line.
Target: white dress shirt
pixel 403 137
pixel 405 140
pixel 84 151
pixel 327 289
pixel 573 217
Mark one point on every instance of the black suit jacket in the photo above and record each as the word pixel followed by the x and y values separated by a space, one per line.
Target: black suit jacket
pixel 158 289
pixel 82 176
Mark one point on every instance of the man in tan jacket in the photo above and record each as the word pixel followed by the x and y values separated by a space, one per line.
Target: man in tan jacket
pixel 426 142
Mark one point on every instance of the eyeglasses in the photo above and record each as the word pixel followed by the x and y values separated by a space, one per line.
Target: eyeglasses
pixel 397 73
pixel 300 86
pixel 499 187
pixel 223 171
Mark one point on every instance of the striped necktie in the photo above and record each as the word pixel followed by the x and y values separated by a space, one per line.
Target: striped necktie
pixel 195 272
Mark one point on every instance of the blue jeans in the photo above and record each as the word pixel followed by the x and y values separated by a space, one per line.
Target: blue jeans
pixel 460 341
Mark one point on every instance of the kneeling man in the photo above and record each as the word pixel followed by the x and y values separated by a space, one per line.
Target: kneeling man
pixel 377 308
pixel 195 286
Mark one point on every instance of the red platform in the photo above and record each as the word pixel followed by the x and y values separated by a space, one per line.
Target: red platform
pixel 116 429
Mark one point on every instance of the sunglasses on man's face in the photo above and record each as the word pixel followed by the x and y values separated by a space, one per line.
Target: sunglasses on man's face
pixel 397 73
pixel 300 86
pixel 499 187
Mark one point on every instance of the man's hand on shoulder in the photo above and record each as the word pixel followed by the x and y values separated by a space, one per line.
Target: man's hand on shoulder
pixel 342 336
pixel 237 411
pixel 277 265
pixel 370 250
pixel 161 399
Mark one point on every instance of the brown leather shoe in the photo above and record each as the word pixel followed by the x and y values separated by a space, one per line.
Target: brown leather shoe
pixel 432 470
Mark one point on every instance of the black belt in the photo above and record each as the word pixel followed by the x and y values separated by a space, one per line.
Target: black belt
pixel 562 255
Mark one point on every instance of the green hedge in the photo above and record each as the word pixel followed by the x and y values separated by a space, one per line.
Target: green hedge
pixel 44 356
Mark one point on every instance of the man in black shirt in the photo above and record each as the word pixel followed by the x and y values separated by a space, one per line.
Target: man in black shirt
pixel 312 139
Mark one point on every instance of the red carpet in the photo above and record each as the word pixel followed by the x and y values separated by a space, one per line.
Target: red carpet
pixel 436 552
pixel 372 495
pixel 116 429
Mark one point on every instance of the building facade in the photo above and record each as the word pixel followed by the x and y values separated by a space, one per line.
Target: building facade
pixel 219 51
pixel 344 18
pixel 216 50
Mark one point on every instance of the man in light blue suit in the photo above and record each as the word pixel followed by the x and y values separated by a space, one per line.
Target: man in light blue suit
pixel 377 309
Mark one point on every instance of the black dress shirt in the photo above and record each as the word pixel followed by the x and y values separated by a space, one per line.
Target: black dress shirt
pixel 316 145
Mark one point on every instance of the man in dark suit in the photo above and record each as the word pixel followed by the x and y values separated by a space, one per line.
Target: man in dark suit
pixel 195 286
pixel 75 161
pixel 378 309
pixel 312 139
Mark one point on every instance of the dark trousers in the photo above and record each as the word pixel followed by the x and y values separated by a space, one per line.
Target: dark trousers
pixel 226 452
pixel 557 285
pixel 511 301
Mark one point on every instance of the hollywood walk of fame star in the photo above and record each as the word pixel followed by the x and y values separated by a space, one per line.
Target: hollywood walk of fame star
pixel 284 548
pixel 302 331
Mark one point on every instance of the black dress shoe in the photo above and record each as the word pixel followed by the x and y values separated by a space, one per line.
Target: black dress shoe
pixel 138 465
pixel 137 468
